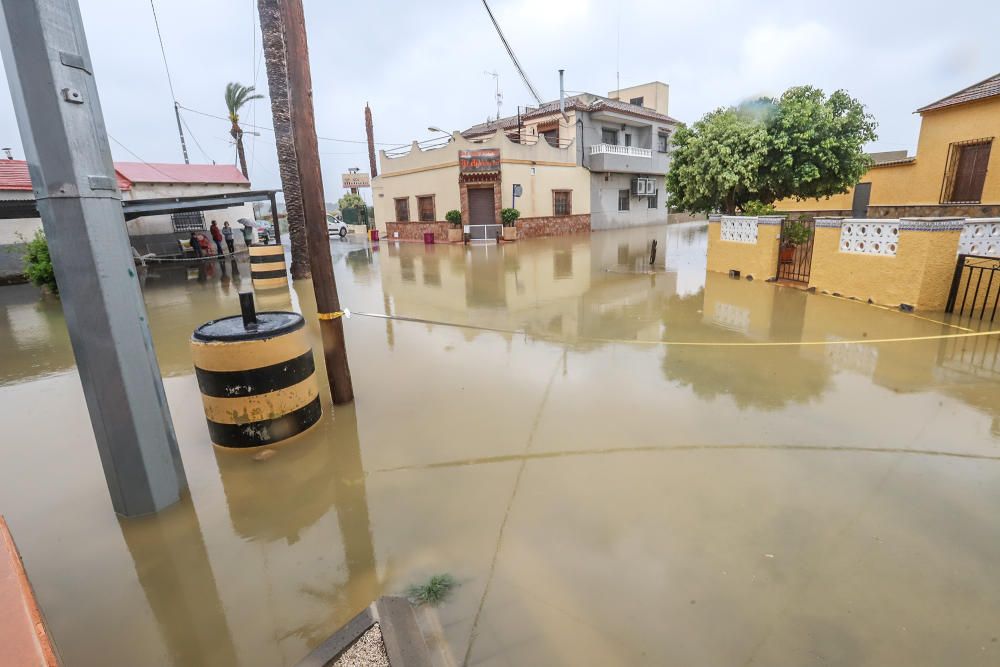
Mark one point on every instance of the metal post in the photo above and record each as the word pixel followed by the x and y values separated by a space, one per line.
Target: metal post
pixel 307 151
pixel 274 219
pixel 180 131
pixel 62 128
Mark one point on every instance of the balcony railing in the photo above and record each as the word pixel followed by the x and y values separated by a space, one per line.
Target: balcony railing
pixel 611 149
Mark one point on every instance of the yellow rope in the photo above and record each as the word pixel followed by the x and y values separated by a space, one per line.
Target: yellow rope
pixel 330 316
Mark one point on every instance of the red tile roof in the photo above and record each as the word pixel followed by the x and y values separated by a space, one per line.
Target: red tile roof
pixel 978 91
pixel 14 174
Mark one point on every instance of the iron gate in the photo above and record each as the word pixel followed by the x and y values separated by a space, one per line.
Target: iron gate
pixel 975 285
pixel 794 261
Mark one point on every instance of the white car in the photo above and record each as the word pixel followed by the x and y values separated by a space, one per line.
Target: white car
pixel 335 226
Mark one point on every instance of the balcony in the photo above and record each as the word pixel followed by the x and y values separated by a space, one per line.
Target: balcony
pixel 629 151
pixel 625 159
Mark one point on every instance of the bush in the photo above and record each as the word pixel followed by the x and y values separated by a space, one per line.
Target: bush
pixel 755 207
pixel 509 216
pixel 38 263
pixel 797 232
pixel 433 592
pixel 454 217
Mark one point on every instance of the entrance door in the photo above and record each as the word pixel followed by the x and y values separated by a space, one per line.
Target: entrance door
pixel 482 218
pixel 862 195
pixel 795 261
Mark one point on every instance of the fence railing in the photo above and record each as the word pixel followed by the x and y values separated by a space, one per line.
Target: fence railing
pixel 611 149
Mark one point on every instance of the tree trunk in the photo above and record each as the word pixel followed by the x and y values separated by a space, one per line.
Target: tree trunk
pixel 272 33
pixel 238 136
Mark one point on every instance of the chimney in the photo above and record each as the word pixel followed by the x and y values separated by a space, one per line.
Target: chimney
pixel 10 155
pixel 562 95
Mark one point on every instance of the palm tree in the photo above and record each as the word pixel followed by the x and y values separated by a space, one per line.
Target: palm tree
pixel 237 95
pixel 273 38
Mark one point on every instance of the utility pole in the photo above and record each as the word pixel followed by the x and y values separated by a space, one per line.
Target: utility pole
pixel 66 145
pixel 311 177
pixel 370 131
pixel 180 131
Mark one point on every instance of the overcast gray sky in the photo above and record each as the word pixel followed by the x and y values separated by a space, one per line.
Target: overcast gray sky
pixel 423 63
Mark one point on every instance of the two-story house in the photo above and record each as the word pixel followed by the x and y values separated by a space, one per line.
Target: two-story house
pixel 575 164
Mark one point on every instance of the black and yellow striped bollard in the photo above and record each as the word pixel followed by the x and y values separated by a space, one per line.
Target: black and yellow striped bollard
pixel 257 377
pixel 267 266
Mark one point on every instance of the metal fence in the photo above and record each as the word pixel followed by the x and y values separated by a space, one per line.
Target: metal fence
pixel 975 287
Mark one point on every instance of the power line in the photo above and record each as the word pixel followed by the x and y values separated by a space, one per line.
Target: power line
pixel 196 142
pixel 510 52
pixel 269 129
pixel 163 51
pixel 172 179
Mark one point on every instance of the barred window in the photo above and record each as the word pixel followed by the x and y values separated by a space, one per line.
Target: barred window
pixel 188 221
pixel 562 202
pixel 402 209
pixel 623 196
pixel 965 172
pixel 425 208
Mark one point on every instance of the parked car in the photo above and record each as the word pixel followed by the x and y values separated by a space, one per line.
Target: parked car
pixel 264 230
pixel 335 226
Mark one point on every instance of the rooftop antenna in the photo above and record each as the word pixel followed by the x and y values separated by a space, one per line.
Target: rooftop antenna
pixel 618 57
pixel 513 58
pixel 496 80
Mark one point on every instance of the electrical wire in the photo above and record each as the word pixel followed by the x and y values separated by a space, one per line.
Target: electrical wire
pixel 195 139
pixel 510 52
pixel 170 178
pixel 163 51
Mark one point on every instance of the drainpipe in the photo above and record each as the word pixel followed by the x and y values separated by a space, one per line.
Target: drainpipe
pixel 562 96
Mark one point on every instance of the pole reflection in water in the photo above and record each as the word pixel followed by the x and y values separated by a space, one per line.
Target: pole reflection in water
pixel 175 573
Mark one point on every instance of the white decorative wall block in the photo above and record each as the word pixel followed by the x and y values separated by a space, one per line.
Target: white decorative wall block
pixel 739 229
pixel 981 237
pixel 734 318
pixel 869 237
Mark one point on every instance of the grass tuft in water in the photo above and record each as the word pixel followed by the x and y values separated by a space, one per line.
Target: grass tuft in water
pixel 434 592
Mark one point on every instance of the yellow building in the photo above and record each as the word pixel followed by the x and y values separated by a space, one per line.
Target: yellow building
pixel 950 174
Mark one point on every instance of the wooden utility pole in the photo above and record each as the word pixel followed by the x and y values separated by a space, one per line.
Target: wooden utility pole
pixel 313 201
pixel 370 131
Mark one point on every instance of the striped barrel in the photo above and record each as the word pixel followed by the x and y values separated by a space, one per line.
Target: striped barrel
pixel 267 266
pixel 258 384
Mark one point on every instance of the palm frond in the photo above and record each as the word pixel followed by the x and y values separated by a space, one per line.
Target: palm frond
pixel 237 96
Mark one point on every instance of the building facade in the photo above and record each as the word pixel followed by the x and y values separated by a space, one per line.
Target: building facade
pixel 950 174
pixel 585 162
pixel 136 181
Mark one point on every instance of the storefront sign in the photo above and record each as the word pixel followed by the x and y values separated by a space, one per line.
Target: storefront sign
pixel 359 180
pixel 480 161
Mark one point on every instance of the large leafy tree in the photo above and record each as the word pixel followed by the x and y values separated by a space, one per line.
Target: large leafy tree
pixel 802 145
pixel 238 96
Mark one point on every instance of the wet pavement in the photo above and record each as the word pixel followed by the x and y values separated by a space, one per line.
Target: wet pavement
pixel 604 498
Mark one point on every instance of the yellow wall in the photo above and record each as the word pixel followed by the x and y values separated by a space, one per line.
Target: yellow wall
pixel 655 95
pixel 759 261
pixel 918 275
pixel 919 183
pixel 536 197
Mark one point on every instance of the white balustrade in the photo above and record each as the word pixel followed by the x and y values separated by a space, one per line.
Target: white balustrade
pixel 980 237
pixel 869 237
pixel 738 229
pixel 611 149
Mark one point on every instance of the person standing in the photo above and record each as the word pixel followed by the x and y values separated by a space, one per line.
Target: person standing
pixel 248 231
pixel 216 236
pixel 227 233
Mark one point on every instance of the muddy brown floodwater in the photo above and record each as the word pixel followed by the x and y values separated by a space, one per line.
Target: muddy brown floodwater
pixel 603 498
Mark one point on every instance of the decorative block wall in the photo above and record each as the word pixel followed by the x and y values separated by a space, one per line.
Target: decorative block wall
pixel 980 237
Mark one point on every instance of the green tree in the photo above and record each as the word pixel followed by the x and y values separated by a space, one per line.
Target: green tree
pixel 237 96
pixel 802 144
pixel 350 200
pixel 38 263
pixel 716 162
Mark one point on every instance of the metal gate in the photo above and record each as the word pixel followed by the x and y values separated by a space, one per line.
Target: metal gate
pixel 975 287
pixel 483 232
pixel 794 261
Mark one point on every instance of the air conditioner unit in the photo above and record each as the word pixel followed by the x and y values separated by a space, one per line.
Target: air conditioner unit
pixel 638 186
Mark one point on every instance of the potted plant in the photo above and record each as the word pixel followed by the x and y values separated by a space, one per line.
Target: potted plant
pixel 794 234
pixel 509 216
pixel 454 218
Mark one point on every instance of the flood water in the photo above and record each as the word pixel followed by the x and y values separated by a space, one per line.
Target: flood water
pixel 603 498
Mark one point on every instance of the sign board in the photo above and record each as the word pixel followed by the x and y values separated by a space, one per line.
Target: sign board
pixel 359 180
pixel 479 161
pixel 517 190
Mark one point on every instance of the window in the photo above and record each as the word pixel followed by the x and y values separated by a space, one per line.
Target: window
pixel 628 139
pixel 662 140
pixel 188 221
pixel 562 202
pixel 636 101
pixel 402 209
pixel 425 208
pixel 623 200
pixel 652 200
pixel 966 171
pixel 609 136
pixel 552 136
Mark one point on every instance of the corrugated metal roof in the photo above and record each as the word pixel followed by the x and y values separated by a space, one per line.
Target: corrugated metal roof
pixel 14 174
pixel 159 172
pixel 978 91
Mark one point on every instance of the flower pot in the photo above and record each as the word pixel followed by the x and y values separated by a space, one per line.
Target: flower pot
pixel 786 254
pixel 510 233
pixel 455 235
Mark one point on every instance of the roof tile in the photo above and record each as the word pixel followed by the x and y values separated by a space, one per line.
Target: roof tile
pixel 978 91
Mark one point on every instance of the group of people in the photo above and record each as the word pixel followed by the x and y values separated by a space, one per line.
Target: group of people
pixel 200 244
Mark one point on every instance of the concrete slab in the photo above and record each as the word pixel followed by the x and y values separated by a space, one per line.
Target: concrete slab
pixel 23 638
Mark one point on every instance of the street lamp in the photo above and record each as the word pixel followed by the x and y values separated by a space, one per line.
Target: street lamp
pixel 434 128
